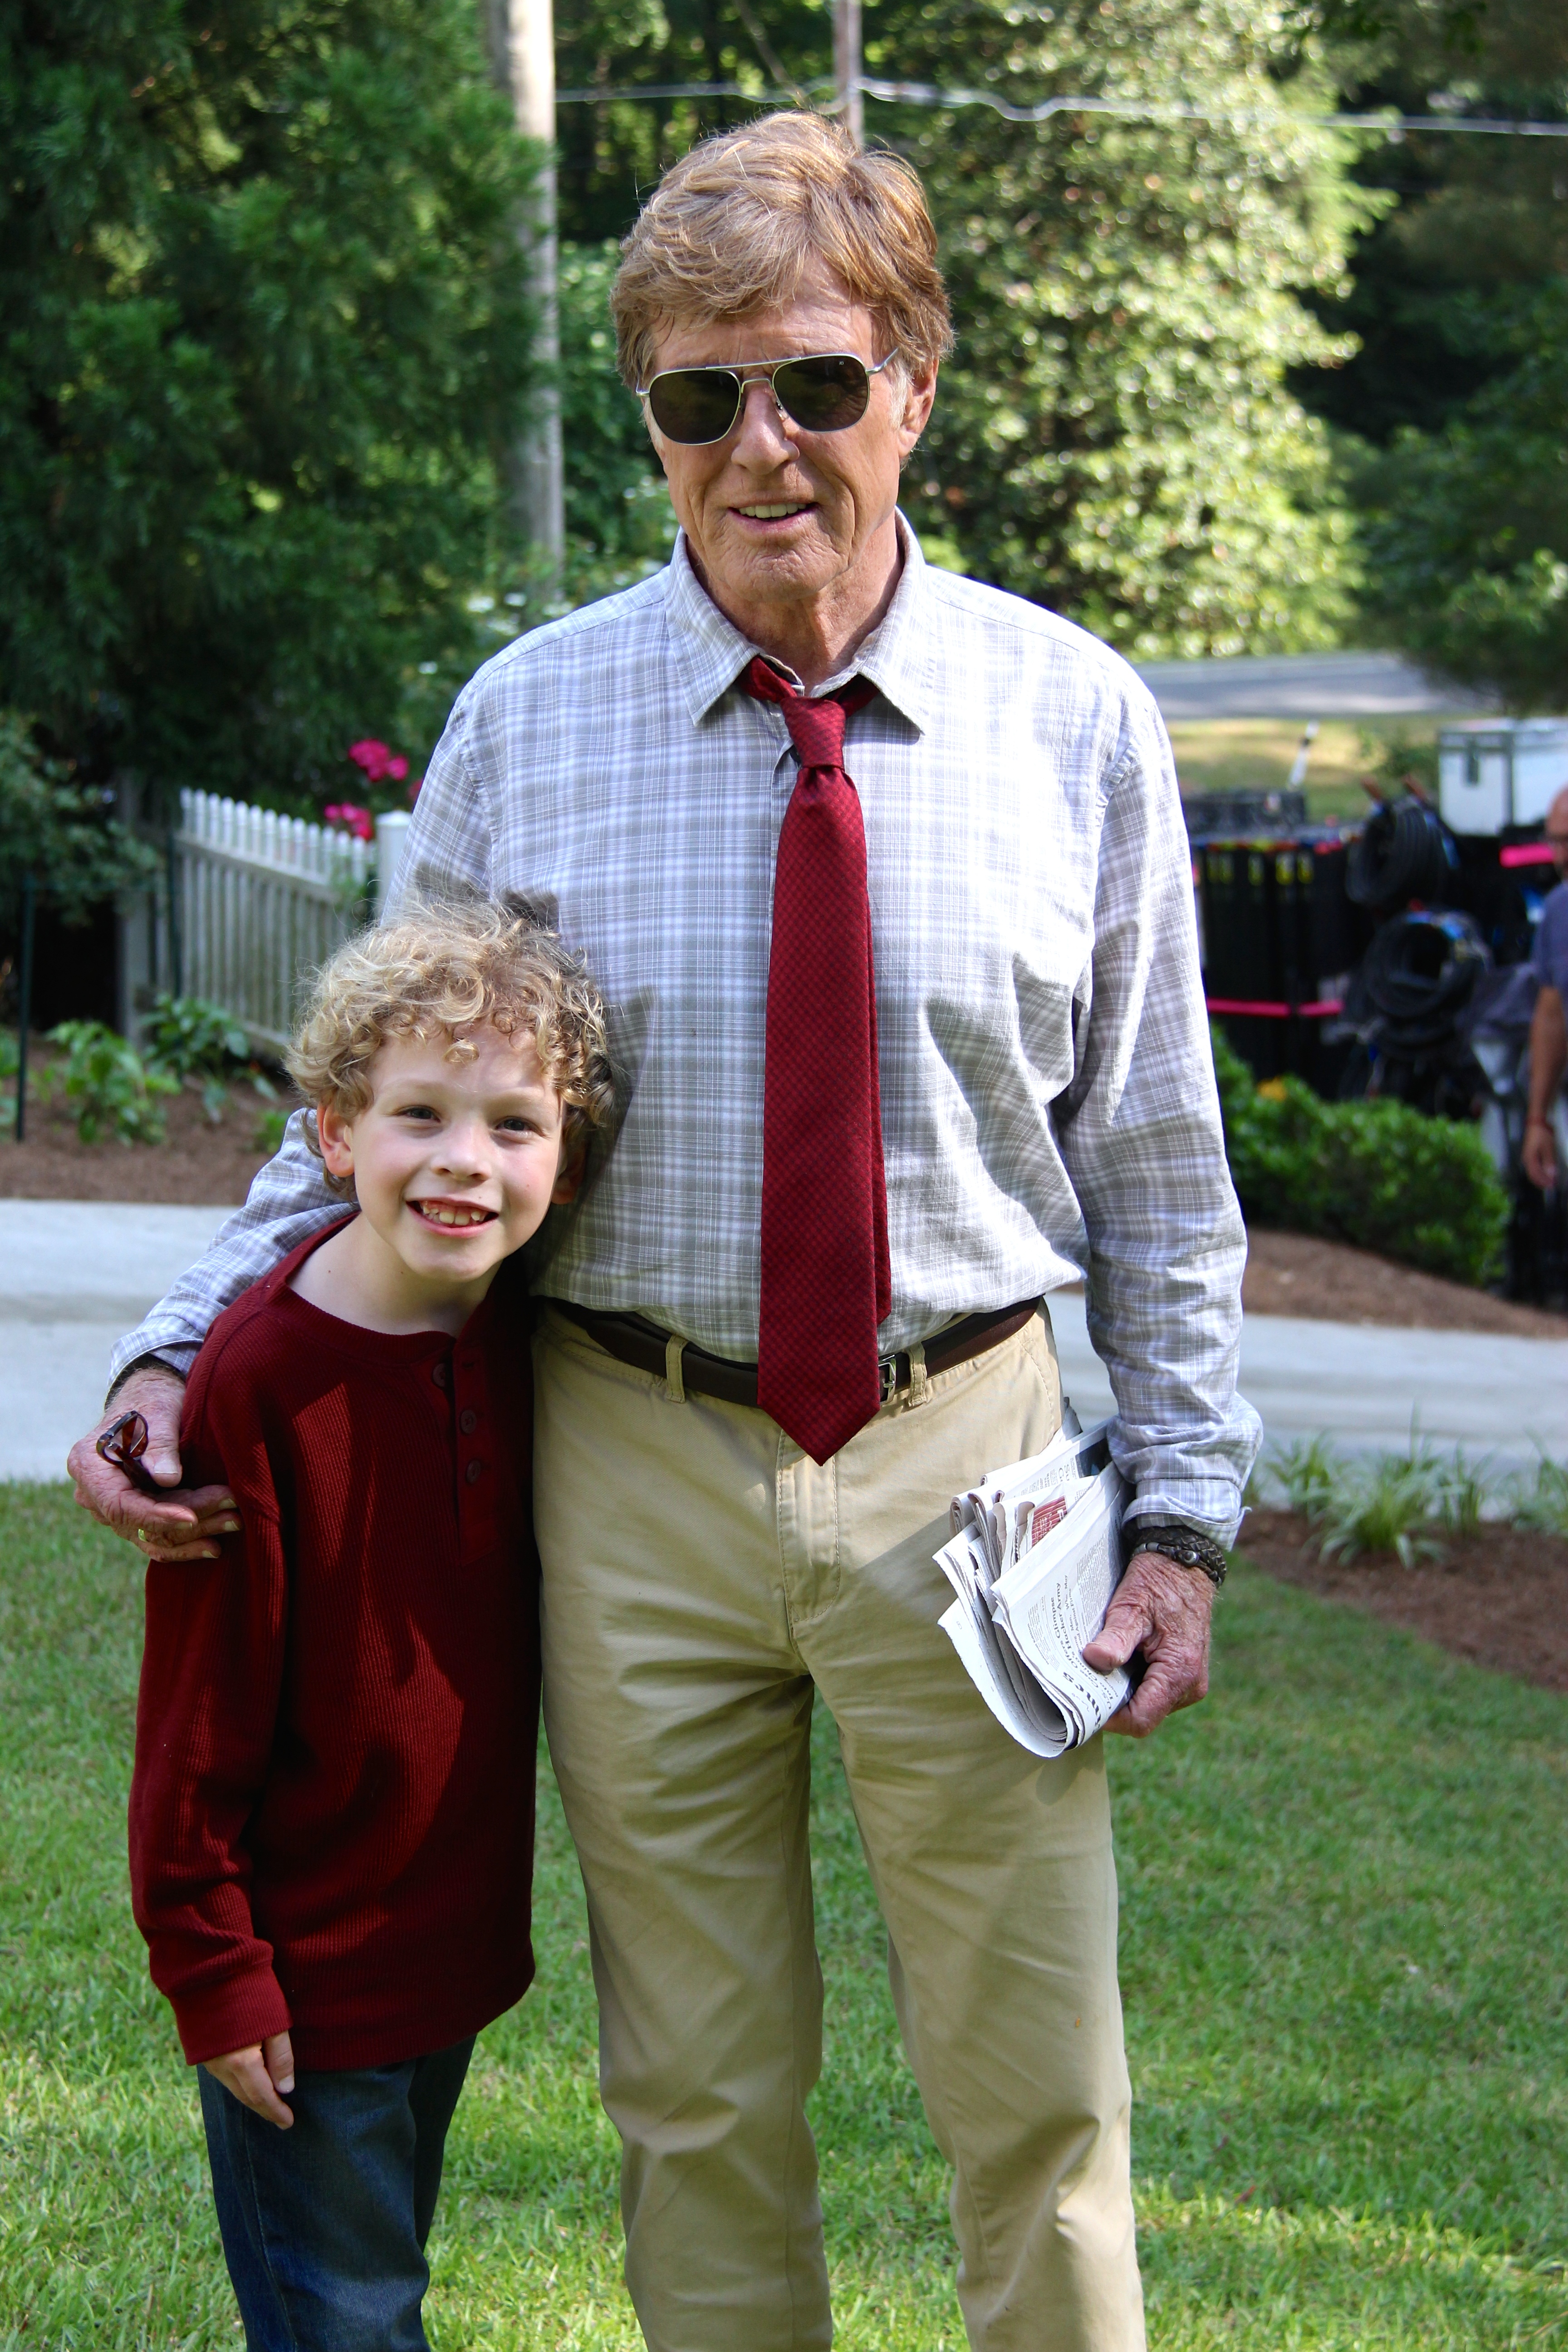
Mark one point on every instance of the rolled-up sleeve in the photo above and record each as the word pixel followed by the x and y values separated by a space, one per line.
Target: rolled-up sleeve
pixel 448 856
pixel 1140 1134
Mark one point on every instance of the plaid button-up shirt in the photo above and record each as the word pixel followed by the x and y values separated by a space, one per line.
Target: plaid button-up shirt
pixel 1048 1103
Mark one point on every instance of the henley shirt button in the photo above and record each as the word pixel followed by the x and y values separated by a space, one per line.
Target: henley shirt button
pixel 438 1373
pixel 467 1421
pixel 474 1472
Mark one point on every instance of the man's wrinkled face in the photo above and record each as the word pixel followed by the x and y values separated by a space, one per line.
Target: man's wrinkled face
pixel 776 515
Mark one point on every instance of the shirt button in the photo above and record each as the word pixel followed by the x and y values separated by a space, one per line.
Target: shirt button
pixel 438 1373
pixel 467 1421
pixel 474 1472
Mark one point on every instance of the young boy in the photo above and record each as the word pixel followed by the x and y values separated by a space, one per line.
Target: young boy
pixel 332 1817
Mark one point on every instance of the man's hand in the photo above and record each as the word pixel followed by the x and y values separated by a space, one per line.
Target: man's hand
pixel 183 1528
pixel 1539 1154
pixel 258 2075
pixel 1548 1061
pixel 1163 1610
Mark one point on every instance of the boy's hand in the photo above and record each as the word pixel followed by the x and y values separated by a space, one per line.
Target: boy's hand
pixel 256 2076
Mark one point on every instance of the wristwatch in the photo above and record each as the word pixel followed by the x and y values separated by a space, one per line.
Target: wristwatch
pixel 1189 1547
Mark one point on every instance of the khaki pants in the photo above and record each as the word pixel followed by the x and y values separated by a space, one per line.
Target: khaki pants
pixel 702 1579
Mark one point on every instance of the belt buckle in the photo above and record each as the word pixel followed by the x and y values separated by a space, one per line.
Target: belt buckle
pixel 888 1381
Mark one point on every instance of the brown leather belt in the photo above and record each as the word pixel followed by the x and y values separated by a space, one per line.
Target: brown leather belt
pixel 631 1339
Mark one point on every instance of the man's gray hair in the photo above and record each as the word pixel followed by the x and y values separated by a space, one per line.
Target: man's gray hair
pixel 737 225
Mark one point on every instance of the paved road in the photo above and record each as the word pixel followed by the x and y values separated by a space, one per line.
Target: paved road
pixel 75 1274
pixel 1300 686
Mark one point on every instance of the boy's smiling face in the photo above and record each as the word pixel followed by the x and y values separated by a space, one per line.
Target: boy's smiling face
pixel 454 1160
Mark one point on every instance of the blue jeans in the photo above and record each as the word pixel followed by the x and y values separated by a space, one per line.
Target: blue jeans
pixel 325 2226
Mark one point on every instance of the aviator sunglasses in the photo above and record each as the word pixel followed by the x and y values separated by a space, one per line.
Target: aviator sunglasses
pixel 825 392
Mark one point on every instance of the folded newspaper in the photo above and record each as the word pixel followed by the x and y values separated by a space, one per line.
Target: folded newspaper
pixel 1036 1553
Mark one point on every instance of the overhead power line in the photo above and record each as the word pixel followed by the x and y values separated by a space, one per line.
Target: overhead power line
pixel 919 94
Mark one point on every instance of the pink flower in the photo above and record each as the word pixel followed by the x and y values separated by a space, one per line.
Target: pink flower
pixel 397 769
pixel 374 758
pixel 347 817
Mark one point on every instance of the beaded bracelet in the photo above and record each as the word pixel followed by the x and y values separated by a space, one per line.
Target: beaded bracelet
pixel 1188 1547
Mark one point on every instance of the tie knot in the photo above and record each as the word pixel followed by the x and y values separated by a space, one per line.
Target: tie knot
pixel 816 731
pixel 816 728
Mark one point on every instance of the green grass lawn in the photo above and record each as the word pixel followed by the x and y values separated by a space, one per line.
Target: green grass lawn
pixel 1220 755
pixel 1344 1954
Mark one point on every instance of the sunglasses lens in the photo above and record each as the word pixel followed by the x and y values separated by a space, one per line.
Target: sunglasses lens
pixel 824 395
pixel 694 404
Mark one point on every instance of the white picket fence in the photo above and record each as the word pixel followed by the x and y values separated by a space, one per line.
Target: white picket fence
pixel 262 899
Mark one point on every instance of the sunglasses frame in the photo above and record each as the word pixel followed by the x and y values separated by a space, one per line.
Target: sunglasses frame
pixel 123 1443
pixel 746 372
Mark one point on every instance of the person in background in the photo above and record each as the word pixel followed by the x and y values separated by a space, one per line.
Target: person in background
pixel 1549 1023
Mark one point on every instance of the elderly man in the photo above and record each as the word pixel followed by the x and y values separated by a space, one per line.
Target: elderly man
pixel 883 875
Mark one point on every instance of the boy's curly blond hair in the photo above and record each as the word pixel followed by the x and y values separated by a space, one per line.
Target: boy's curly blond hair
pixel 444 970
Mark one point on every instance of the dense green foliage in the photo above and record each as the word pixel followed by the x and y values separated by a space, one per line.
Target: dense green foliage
pixel 262 329
pixel 55 827
pixel 1467 529
pixel 1113 436
pixel 264 341
pixel 1377 1175
pixel 1479 227
pixel 618 515
pixel 1345 2006
pixel 1461 384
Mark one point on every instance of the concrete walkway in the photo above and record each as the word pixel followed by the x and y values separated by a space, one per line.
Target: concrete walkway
pixel 74 1274
pixel 1365 1385
pixel 1300 686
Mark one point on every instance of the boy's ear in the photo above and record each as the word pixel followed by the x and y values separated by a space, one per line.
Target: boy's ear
pixel 337 1148
pixel 573 1156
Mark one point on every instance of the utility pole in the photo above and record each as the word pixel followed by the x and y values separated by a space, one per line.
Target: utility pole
pixel 522 54
pixel 851 106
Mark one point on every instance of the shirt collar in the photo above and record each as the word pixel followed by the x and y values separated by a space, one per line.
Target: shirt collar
pixel 898 655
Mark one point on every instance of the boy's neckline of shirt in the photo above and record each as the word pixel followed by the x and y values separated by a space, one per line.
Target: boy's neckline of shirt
pixel 362 1338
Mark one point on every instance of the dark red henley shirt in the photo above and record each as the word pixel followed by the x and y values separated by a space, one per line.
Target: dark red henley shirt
pixel 331 1817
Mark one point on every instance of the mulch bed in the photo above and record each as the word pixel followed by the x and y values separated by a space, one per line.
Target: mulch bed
pixel 200 1165
pixel 1289 1274
pixel 1499 1596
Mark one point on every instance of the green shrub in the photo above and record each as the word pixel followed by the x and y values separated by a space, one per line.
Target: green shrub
pixel 1377 1175
pixel 188 1037
pixel 1544 1505
pixel 1388 1504
pixel 109 1084
pixel 1309 1472
pixel 185 1034
pixel 1464 1493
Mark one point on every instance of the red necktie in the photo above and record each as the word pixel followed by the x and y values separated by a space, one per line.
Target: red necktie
pixel 826 1279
